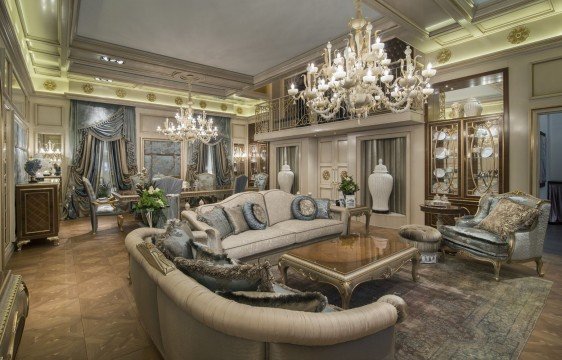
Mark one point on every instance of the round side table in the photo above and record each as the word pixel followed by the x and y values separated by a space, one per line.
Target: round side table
pixel 441 211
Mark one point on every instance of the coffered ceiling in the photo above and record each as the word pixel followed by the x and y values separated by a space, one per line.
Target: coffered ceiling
pixel 234 47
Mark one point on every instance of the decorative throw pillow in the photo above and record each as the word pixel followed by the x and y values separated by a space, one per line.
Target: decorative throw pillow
pixel 235 216
pixel 216 218
pixel 229 277
pixel 203 252
pixel 255 216
pixel 307 301
pixel 507 217
pixel 304 208
pixel 323 208
pixel 173 242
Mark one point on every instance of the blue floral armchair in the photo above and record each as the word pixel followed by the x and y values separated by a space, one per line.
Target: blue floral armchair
pixel 520 246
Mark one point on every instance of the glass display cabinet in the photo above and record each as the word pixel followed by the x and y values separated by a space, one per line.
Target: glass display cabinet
pixel 466 139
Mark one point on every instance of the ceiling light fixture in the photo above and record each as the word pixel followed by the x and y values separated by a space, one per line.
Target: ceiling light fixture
pixel 359 80
pixel 50 153
pixel 113 60
pixel 189 127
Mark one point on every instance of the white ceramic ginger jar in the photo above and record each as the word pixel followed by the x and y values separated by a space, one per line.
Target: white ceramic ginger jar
pixel 380 186
pixel 472 107
pixel 285 178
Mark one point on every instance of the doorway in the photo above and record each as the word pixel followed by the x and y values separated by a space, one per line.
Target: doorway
pixel 547 171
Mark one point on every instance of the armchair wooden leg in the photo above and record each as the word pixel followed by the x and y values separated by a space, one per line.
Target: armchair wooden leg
pixel 497 267
pixel 538 261
pixel 120 222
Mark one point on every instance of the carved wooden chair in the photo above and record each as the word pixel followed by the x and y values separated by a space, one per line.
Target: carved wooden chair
pixel 101 207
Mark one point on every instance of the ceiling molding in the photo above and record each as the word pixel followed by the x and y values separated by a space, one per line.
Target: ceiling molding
pixel 13 49
pixel 397 17
pixel 496 8
pixel 522 49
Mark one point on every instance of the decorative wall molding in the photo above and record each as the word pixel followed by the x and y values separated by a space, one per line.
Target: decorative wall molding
pixel 48 115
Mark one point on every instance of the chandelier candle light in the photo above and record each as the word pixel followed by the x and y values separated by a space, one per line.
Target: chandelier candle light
pixel 360 78
pixel 188 127
pixel 50 153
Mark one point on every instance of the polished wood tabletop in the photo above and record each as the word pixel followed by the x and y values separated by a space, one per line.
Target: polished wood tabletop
pixel 347 254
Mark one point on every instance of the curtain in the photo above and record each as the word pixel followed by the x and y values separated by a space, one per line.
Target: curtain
pixel 93 125
pixel 289 155
pixel 219 151
pixel 393 154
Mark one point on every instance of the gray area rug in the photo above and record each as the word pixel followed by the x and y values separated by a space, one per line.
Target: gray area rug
pixel 456 311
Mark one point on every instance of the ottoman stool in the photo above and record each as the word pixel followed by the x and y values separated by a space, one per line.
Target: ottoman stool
pixel 424 238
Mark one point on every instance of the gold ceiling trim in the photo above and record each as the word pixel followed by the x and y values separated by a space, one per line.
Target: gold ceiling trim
pixel 50 85
pixel 518 34
pixel 443 56
pixel 88 88
pixel 121 93
pixel 151 97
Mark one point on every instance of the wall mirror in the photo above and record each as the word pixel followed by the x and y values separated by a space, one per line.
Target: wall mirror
pixel 43 142
pixel 239 159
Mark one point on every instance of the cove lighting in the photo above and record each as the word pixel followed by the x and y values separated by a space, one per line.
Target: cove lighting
pixel 102 79
pixel 113 60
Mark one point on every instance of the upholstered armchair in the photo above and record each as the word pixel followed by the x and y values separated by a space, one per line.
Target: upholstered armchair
pixel 240 184
pixel 260 181
pixel 520 246
pixel 206 181
pixel 101 207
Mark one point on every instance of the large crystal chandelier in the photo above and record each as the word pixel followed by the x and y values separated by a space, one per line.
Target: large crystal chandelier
pixel 188 127
pixel 360 78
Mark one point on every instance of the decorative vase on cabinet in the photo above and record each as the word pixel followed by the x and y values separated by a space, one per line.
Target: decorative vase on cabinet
pixel 472 107
pixel 380 186
pixel 285 178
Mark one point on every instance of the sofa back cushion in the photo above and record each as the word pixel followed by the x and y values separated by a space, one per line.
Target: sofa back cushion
pixel 217 219
pixel 235 200
pixel 235 216
pixel 278 205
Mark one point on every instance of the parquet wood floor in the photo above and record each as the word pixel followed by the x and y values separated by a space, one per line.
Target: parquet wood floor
pixel 82 307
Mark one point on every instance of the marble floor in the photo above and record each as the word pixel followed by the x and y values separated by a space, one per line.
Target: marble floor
pixel 81 304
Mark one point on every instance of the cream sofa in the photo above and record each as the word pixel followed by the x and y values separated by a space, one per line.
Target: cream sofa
pixel 185 320
pixel 283 231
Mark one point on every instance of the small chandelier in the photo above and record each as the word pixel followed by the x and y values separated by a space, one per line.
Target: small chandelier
pixel 188 127
pixel 50 153
pixel 360 77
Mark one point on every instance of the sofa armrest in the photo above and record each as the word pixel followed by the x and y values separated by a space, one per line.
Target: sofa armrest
pixel 398 303
pixel 213 236
pixel 342 214
pixel 466 221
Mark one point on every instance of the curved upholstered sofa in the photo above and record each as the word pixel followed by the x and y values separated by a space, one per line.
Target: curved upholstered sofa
pixel 185 320
pixel 283 231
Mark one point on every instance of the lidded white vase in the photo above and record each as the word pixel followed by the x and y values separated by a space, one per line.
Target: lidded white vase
pixel 285 178
pixel 472 107
pixel 380 186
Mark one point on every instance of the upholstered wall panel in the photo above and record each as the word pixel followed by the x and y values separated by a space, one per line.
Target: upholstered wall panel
pixel 149 123
pixel 48 115
pixel 162 157
pixel 547 77
pixel 238 131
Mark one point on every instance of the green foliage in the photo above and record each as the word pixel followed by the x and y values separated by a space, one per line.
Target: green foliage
pixel 151 199
pixel 348 186
pixel 104 189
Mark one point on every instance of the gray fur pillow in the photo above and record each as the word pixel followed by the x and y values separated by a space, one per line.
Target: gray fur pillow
pixel 174 242
pixel 227 277
pixel 307 301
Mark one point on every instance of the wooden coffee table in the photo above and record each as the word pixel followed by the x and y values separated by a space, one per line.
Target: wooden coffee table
pixel 348 261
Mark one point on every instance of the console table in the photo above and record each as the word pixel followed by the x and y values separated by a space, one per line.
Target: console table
pixel 360 211
pixel 441 211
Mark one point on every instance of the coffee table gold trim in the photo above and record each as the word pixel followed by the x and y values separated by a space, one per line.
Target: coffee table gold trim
pixel 346 283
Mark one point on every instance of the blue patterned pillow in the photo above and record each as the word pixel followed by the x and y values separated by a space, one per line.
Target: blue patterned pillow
pixel 323 206
pixel 216 218
pixel 255 216
pixel 304 208
pixel 174 243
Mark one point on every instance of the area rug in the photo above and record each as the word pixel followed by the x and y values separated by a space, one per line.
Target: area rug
pixel 456 310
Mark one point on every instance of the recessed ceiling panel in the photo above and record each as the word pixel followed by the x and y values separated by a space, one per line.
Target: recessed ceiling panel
pixel 524 14
pixel 246 36
pixel 425 14
pixel 39 19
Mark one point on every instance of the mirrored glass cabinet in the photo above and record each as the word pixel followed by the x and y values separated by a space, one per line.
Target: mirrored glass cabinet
pixel 467 139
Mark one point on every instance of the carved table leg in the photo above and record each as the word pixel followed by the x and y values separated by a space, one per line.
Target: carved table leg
pixel 367 221
pixel 120 222
pixel 345 293
pixel 21 243
pixel 539 263
pixel 283 271
pixel 415 263
pixel 54 240
pixel 497 267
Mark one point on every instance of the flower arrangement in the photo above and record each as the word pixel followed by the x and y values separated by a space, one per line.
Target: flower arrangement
pixel 150 198
pixel 348 186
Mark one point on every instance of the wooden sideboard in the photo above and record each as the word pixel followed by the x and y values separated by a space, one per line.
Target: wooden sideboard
pixel 37 212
